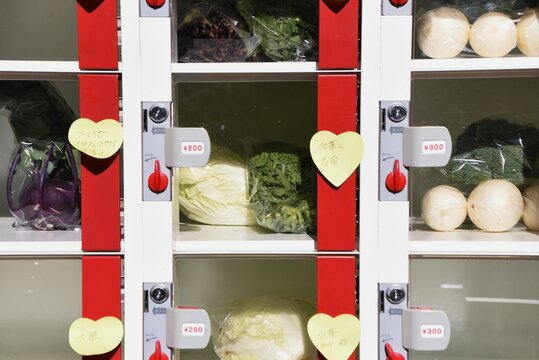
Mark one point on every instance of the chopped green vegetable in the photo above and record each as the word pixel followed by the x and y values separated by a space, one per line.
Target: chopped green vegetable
pixel 503 162
pixel 281 187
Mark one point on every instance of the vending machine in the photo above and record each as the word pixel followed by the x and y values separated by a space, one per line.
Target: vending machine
pixel 457 174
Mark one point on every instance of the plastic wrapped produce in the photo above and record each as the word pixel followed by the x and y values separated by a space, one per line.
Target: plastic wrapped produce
pixel 442 32
pixel 528 33
pixel 268 328
pixel 493 34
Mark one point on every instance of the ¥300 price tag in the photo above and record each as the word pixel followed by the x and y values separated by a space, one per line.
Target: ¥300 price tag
pixel 193 329
pixel 434 147
pixel 192 147
pixel 432 331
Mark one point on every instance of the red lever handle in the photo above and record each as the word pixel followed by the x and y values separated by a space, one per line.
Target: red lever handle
pixel 392 355
pixel 158 180
pixel 158 355
pixel 155 4
pixel 398 3
pixel 395 180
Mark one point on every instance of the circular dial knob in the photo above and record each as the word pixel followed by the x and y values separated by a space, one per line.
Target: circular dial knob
pixel 395 180
pixel 158 113
pixel 395 295
pixel 398 3
pixel 155 4
pixel 397 112
pixel 158 180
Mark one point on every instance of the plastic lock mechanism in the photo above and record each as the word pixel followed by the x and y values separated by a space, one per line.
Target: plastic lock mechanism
pixel 425 330
pixel 188 328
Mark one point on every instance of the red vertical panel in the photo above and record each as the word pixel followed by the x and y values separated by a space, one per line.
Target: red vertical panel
pixel 100 178
pixel 101 293
pixel 336 286
pixel 337 207
pixel 97 34
pixel 338 34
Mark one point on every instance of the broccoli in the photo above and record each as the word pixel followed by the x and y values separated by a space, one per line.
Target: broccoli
pixel 501 162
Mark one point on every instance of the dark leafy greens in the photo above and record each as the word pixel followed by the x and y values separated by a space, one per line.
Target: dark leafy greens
pixel 282 190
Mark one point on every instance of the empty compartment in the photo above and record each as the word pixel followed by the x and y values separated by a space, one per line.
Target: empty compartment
pixel 257 306
pixel 491 305
pixel 40 299
pixel 38 30
pixel 494 165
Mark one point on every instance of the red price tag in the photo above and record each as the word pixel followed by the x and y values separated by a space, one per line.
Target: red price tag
pixel 192 147
pixel 193 329
pixel 432 331
pixel 434 147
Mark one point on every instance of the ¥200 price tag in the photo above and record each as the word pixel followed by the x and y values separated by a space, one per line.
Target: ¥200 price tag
pixel 193 329
pixel 432 331
pixel 434 147
pixel 192 147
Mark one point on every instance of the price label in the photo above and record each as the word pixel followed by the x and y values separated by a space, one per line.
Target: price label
pixel 193 329
pixel 192 147
pixel 432 331
pixel 434 147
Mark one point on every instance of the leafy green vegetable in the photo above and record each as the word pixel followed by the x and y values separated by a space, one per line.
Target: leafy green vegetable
pixel 503 162
pixel 282 191
pixel 284 37
pixel 216 193
pixel 268 328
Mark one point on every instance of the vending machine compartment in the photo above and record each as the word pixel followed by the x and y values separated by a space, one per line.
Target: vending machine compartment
pixel 233 198
pixel 35 116
pixel 491 305
pixel 254 303
pixel 245 31
pixel 40 299
pixel 44 30
pixel 492 118
pixel 475 29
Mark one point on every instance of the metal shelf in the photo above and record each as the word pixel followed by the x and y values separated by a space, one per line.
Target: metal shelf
pixel 475 64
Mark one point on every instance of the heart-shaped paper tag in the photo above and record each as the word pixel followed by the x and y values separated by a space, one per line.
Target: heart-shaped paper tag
pixel 89 337
pixel 336 338
pixel 336 156
pixel 336 5
pixel 98 139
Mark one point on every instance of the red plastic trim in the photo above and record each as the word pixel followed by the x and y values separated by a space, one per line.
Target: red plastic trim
pixel 101 293
pixel 338 34
pixel 97 34
pixel 337 207
pixel 100 178
pixel 336 286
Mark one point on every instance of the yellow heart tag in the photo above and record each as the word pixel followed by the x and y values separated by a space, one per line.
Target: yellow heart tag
pixel 336 338
pixel 98 139
pixel 336 156
pixel 89 337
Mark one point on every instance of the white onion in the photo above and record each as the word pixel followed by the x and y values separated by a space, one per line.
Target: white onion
pixel 442 33
pixel 528 33
pixel 530 216
pixel 493 34
pixel 495 205
pixel 443 208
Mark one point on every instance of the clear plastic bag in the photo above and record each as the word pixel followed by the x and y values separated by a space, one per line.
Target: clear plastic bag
pixel 495 149
pixel 211 32
pixel 43 186
pixel 477 28
pixel 282 188
pixel 266 328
